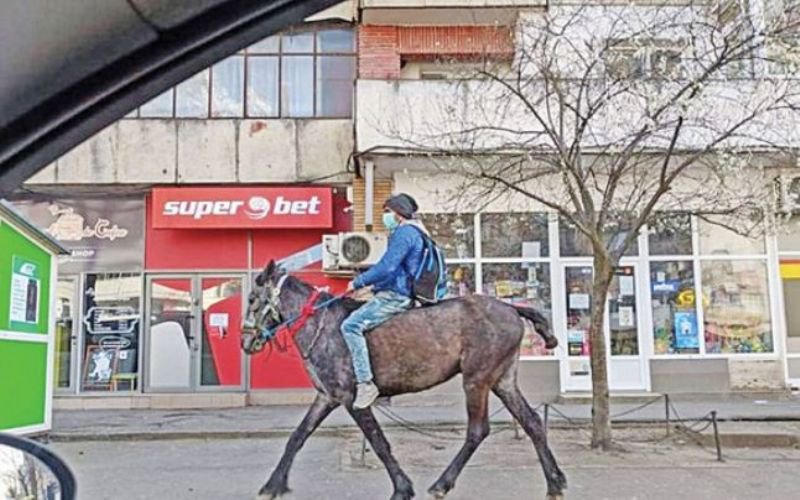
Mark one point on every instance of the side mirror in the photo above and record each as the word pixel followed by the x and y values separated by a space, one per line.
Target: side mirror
pixel 29 471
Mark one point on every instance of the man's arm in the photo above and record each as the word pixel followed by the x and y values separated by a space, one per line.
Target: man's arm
pixel 399 246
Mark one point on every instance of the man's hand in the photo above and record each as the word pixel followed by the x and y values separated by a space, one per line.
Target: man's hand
pixel 351 287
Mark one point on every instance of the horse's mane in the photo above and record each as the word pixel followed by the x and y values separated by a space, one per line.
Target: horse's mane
pixel 350 304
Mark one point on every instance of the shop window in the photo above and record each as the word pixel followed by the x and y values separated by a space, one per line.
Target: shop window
pixel 717 239
pixel 573 243
pixel 515 235
pixel 675 328
pixel 111 326
pixel 670 234
pixel 454 233
pixel 736 306
pixel 460 280
pixel 524 284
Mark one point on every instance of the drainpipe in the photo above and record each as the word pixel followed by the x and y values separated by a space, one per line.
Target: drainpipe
pixel 369 194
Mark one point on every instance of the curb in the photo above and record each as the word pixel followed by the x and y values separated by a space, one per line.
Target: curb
pixel 727 439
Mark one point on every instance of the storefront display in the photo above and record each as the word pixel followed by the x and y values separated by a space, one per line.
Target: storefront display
pixel 460 280
pixel 111 328
pixel 525 284
pixel 737 317
pixel 675 328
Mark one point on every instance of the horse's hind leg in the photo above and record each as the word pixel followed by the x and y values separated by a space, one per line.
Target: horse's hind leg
pixel 403 488
pixel 477 430
pixel 508 392
pixel 277 484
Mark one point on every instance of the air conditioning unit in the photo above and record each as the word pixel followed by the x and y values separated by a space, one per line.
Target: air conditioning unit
pixel 352 250
pixel 788 192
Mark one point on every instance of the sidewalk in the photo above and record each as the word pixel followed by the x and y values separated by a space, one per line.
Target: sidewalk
pixel 271 421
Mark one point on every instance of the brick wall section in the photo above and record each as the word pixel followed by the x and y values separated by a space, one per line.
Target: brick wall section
pixel 381 48
pixel 416 41
pixel 383 189
pixel 378 57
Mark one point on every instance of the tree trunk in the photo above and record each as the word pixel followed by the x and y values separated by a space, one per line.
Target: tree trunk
pixel 601 421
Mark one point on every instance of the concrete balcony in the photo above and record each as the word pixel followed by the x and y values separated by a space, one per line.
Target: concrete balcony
pixel 406 116
pixel 174 151
pixel 446 12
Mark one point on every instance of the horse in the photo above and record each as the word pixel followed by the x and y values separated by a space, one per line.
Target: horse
pixel 477 336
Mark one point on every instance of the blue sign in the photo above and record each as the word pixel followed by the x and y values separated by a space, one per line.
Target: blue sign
pixel 669 286
pixel 685 328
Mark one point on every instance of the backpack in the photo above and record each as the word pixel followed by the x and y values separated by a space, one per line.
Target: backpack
pixel 429 284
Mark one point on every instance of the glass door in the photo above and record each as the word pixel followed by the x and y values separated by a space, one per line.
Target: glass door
pixel 622 329
pixel 220 325
pixel 171 343
pixel 578 289
pixel 194 332
pixel 626 366
pixel 66 345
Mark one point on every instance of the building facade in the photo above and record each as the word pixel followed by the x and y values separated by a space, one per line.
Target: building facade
pixel 154 211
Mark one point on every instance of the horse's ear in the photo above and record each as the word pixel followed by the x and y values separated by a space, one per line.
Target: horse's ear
pixel 262 278
pixel 269 270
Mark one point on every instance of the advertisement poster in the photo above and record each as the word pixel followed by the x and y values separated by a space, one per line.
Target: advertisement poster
pixel 626 288
pixel 626 317
pixel 25 291
pixel 685 327
pixel 579 301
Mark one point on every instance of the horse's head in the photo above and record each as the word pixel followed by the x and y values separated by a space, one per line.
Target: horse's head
pixel 263 308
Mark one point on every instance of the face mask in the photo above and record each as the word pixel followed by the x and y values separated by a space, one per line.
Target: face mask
pixel 390 221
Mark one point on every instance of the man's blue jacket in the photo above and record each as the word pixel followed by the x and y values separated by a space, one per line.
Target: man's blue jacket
pixel 397 267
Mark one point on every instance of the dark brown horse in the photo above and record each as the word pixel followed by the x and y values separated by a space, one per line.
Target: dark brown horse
pixel 476 336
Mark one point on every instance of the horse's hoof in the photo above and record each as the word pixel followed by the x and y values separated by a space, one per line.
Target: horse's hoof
pixel 436 495
pixel 273 496
pixel 555 496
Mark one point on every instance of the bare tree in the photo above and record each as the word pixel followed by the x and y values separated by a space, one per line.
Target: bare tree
pixel 611 115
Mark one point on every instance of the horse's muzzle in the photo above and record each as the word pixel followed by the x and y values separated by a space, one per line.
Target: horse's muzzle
pixel 251 341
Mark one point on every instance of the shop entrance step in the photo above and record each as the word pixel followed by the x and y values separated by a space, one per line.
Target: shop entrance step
pixel 585 398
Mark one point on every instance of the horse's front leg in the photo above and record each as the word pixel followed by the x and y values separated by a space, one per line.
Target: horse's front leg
pixel 403 488
pixel 277 484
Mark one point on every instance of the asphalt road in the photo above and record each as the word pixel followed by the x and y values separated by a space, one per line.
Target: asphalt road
pixel 503 468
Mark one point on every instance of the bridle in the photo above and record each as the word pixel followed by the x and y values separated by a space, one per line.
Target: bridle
pixel 271 309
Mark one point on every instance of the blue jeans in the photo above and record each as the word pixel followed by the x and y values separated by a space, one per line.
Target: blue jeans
pixel 372 314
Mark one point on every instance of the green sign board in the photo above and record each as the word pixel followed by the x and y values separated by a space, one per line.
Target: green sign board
pixel 25 329
pixel 24 283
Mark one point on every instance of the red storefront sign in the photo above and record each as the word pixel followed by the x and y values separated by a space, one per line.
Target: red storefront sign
pixel 242 207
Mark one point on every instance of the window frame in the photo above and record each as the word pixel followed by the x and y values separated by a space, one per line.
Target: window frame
pixel 249 53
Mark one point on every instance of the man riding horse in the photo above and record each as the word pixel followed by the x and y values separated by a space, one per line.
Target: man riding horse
pixel 391 281
pixel 476 336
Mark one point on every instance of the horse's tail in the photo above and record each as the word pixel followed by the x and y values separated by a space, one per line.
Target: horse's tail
pixel 540 324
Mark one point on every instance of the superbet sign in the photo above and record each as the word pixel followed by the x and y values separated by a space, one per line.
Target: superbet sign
pixel 242 207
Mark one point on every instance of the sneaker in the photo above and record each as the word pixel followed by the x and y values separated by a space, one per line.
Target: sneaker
pixel 366 394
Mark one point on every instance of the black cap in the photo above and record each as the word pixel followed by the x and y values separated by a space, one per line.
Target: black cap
pixel 403 204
